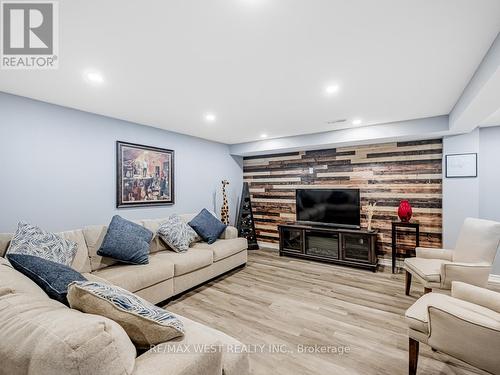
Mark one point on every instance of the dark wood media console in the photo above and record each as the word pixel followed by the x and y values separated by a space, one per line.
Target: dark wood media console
pixel 350 247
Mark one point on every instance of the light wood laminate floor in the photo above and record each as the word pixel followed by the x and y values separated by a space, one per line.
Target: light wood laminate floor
pixel 281 300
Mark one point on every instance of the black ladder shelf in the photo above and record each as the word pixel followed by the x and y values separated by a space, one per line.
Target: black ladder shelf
pixel 245 224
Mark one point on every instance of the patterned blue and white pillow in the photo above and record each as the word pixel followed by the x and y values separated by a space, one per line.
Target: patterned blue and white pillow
pixel 32 240
pixel 177 234
pixel 145 323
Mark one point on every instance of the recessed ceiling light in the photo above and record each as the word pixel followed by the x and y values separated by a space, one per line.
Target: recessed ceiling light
pixel 210 117
pixel 263 135
pixel 356 121
pixel 332 89
pixel 94 77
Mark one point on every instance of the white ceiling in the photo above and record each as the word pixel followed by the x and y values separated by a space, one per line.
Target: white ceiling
pixel 262 65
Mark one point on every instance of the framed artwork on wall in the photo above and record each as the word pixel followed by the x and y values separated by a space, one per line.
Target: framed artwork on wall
pixel 461 165
pixel 145 175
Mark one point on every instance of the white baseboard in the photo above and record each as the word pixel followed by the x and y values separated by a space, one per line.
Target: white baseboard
pixel 493 279
pixel 386 262
pixel 268 245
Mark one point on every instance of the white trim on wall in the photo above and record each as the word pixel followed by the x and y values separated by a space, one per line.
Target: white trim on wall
pixel 269 245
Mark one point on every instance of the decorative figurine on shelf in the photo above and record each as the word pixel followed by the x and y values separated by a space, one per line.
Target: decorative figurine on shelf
pixel 370 209
pixel 224 210
pixel 404 211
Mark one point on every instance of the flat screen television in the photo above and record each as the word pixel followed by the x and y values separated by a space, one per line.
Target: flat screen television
pixel 333 207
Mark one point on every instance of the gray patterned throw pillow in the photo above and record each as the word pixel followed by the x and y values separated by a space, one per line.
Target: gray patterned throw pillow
pixel 177 234
pixel 32 240
pixel 145 323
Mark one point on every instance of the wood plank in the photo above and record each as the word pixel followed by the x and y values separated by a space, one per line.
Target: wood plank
pixel 384 173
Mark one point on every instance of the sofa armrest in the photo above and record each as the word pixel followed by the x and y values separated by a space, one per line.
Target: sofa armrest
pixel 474 294
pixel 470 273
pixel 164 360
pixel 229 233
pixel 468 335
pixel 431 253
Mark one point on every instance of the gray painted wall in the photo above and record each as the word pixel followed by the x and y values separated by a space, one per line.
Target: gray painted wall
pixel 472 197
pixel 489 179
pixel 57 167
pixel 460 195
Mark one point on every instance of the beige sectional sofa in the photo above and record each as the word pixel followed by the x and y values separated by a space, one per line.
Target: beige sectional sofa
pixel 41 336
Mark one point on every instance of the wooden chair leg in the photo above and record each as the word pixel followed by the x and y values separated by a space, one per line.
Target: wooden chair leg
pixel 427 290
pixel 407 283
pixel 412 356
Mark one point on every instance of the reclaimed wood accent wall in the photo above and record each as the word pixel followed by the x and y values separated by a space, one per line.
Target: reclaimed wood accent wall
pixel 384 173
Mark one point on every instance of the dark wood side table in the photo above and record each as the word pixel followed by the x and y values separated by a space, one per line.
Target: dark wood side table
pixel 400 224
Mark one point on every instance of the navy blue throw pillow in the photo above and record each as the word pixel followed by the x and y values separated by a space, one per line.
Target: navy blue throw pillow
pixel 52 277
pixel 207 226
pixel 126 242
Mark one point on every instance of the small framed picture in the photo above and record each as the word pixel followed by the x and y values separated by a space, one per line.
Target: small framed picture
pixel 145 175
pixel 461 165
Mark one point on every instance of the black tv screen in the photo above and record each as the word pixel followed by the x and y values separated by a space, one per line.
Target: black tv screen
pixel 337 207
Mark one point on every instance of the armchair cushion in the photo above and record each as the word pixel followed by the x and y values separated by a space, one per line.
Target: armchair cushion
pixel 417 316
pixel 471 273
pixel 479 296
pixel 472 336
pixel 478 241
pixel 427 269
pixel 432 253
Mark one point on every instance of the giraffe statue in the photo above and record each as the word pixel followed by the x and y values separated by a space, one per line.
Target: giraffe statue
pixel 224 210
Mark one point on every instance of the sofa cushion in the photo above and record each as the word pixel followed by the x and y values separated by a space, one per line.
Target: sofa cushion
pixel 224 248
pixel 126 241
pixel 190 261
pixel 94 235
pixel 145 323
pixel 32 240
pixel 427 269
pixel 52 277
pixel 40 336
pixel 81 261
pixel 15 280
pixel 137 277
pixel 176 234
pixel 5 242
pixel 4 291
pixel 156 244
pixel 207 226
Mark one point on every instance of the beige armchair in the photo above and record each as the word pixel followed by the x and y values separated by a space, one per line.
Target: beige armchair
pixel 465 325
pixel 470 261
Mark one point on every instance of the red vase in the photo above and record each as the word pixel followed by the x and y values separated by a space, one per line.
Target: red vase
pixel 404 211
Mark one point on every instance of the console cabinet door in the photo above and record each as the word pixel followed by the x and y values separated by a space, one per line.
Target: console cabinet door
pixel 291 240
pixel 356 247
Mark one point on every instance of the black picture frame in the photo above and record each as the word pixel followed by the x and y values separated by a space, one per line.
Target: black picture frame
pixel 140 187
pixel 447 167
